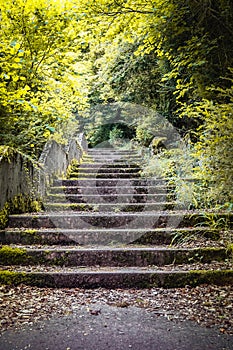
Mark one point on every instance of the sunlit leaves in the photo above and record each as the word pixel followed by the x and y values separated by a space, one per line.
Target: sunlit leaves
pixel 37 93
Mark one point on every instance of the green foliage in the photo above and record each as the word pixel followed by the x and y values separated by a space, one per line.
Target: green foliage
pixel 58 58
pixel 39 91
pixel 175 166
pixel 168 54
pixel 214 148
pixel 114 133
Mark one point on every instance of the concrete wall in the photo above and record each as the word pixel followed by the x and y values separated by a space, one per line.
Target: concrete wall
pixel 20 175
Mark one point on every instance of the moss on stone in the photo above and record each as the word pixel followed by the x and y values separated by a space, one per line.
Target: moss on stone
pixel 19 204
pixel 13 256
pixel 73 165
pixel 13 278
pixel 230 250
pixel 29 231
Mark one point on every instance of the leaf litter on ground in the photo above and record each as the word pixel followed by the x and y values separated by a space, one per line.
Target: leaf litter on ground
pixel 207 305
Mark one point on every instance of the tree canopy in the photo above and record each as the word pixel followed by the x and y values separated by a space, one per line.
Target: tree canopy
pixel 60 59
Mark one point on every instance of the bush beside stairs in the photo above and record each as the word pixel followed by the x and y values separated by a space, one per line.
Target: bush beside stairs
pixel 107 226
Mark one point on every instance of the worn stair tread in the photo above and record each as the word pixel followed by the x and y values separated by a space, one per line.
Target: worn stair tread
pixel 116 277
pixel 133 181
pixel 166 230
pixel 113 165
pixel 116 159
pixel 102 168
pixel 115 248
pixel 103 206
pixel 117 195
pixel 127 189
pixel 142 179
pixel 108 256
pixel 109 236
pixel 215 265
pixel 189 213
pixel 105 176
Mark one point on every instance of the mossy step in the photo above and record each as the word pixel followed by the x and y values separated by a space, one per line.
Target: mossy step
pixel 116 160
pixel 108 256
pixel 105 170
pixel 127 154
pixel 99 171
pixel 132 182
pixel 122 156
pixel 74 220
pixel 110 166
pixel 100 175
pixel 102 236
pixel 107 198
pixel 117 278
pixel 111 207
pixel 130 190
pixel 112 151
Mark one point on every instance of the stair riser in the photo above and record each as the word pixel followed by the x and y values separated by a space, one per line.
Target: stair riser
pixel 79 221
pixel 113 258
pixel 99 237
pixel 105 170
pixel 37 237
pixel 117 198
pixel 113 159
pixel 112 151
pixel 114 280
pixel 118 207
pixel 96 182
pixel 102 166
pixel 106 176
pixel 111 190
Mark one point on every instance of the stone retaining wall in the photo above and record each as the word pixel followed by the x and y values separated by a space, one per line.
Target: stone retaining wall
pixel 19 175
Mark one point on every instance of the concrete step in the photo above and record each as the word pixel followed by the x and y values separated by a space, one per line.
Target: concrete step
pixel 102 236
pixel 112 150
pixel 107 198
pixel 105 176
pixel 124 154
pixel 116 159
pixel 108 256
pixel 110 190
pixel 111 166
pixel 111 207
pixel 105 169
pixel 115 278
pixel 73 220
pixel 133 182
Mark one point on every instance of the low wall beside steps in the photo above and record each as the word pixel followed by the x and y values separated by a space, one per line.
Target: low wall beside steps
pixel 21 176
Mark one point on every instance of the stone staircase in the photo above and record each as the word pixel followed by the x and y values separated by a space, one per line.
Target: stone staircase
pixel 107 226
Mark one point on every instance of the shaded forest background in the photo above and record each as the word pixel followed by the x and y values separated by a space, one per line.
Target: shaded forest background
pixel 61 59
